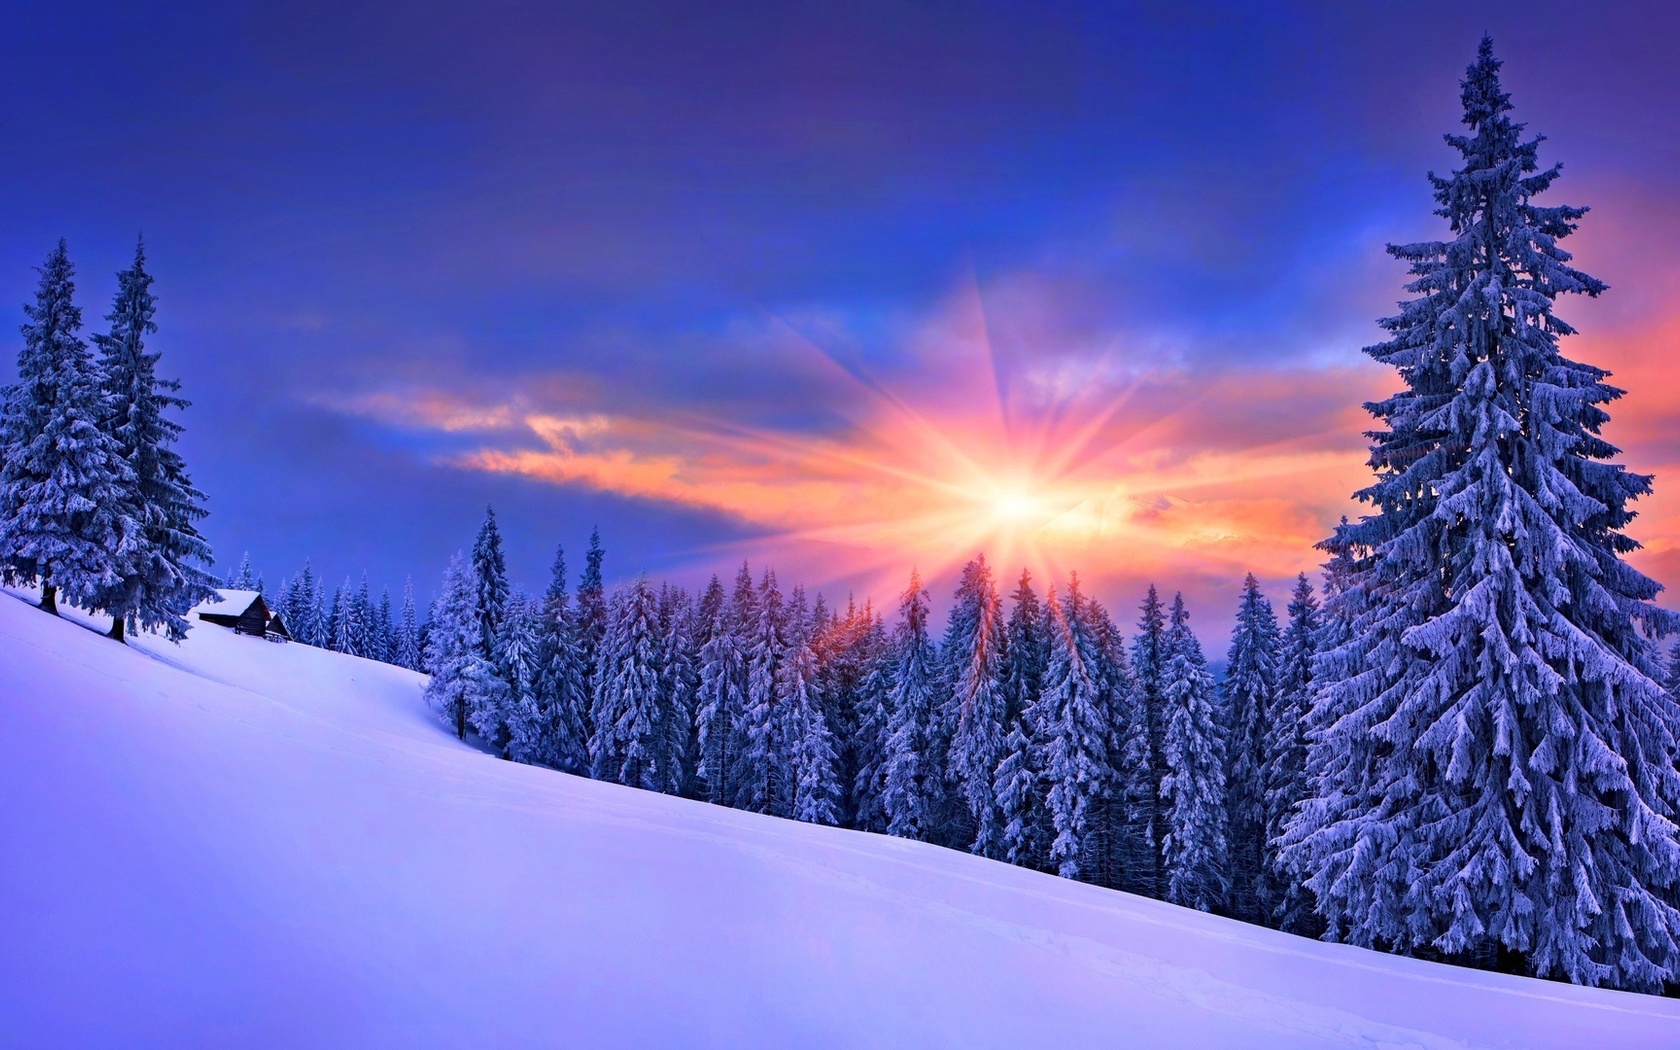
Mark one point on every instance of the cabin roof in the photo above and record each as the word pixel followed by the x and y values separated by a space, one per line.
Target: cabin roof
pixel 232 603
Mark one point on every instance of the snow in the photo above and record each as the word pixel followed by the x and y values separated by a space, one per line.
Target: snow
pixel 233 842
pixel 227 600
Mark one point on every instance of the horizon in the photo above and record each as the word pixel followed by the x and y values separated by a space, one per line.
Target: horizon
pixel 838 298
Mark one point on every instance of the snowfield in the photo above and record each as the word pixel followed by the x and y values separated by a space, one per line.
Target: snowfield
pixel 239 843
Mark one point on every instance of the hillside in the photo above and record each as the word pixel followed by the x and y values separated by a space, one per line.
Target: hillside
pixel 234 842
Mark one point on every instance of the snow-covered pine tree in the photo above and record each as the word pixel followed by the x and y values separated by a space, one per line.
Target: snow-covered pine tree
pixel 297 606
pixel 1249 694
pixel 805 758
pixel 909 783
pixel 679 682
pixel 721 697
pixel 65 519
pixel 1149 669
pixel 519 666
pixel 1194 847
pixel 565 686
pixel 490 582
pixel 361 635
pixel 755 772
pixel 344 622
pixel 462 681
pixel 243 578
pixel 1074 755
pixel 405 645
pixel 332 611
pixel 1018 782
pixel 627 744
pixel 1504 770
pixel 976 652
pixel 383 635
pixel 164 574
pixel 872 721
pixel 1124 849
pixel 591 619
pixel 1286 750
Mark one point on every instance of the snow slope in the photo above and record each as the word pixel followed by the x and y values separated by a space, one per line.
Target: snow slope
pixel 238 843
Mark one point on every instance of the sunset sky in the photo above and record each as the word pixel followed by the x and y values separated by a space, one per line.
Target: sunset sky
pixel 838 288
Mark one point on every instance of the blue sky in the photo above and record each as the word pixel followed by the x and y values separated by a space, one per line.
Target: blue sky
pixel 367 221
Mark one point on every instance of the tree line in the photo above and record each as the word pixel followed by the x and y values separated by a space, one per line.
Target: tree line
pixel 1041 734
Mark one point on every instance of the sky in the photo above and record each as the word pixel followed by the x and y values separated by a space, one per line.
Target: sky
pixel 842 289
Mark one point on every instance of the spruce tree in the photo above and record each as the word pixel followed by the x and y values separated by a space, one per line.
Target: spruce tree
pixel 1149 668
pixel 909 781
pixel 163 576
pixel 65 516
pixel 627 744
pixel 1194 848
pixel 872 721
pixel 810 773
pixel 1286 750
pixel 564 685
pixel 1503 774
pixel 243 578
pixel 462 681
pixel 755 764
pixel 591 608
pixel 519 665
pixel 1074 748
pixel 405 648
pixel 678 685
pixel 1018 782
pixel 721 699
pixel 490 582
pixel 976 654
pixel 1250 692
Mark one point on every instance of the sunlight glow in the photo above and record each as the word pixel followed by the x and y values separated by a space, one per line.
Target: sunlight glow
pixel 1119 471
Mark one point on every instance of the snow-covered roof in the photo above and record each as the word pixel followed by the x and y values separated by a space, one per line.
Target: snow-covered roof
pixel 232 603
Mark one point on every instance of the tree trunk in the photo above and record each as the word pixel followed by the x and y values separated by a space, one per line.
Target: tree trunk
pixel 49 598
pixel 116 631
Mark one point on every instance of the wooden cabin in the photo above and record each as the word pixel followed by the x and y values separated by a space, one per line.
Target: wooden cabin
pixel 246 613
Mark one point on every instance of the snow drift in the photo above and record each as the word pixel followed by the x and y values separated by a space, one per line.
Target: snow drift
pixel 236 842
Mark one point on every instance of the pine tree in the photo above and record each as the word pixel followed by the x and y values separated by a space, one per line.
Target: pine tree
pixel 297 606
pixel 591 608
pixel 1286 750
pixel 565 686
pixel 163 576
pixel 382 639
pixel 1124 850
pixel 976 654
pixel 1075 753
pixel 462 681
pixel 806 758
pixel 361 612
pixel 627 744
pixel 909 784
pixel 678 685
pixel 1250 692
pixel 1194 847
pixel 1018 782
pixel 722 691
pixel 1149 669
pixel 1502 775
pixel 65 519
pixel 755 766
pixel 244 578
pixel 519 666
pixel 872 718
pixel 490 582
pixel 405 646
